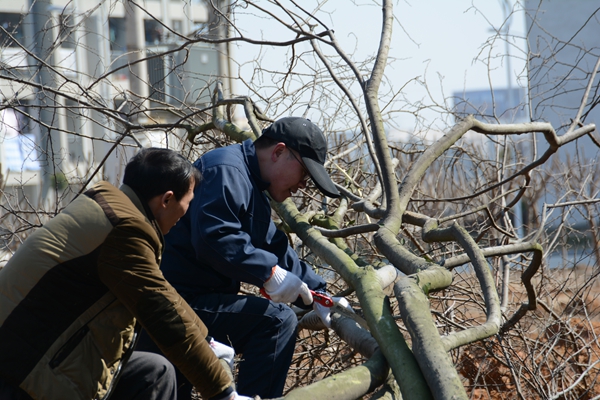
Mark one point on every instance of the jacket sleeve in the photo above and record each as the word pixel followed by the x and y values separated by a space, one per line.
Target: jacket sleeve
pixel 128 265
pixel 287 258
pixel 218 234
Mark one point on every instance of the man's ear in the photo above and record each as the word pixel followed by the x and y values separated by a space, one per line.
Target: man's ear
pixel 277 151
pixel 166 197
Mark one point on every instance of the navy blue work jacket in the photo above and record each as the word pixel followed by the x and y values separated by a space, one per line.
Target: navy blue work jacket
pixel 227 236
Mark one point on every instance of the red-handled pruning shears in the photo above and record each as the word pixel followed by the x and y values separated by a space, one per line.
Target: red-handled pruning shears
pixel 320 298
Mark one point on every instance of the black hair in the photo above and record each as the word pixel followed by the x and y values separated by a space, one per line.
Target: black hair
pixel 154 171
pixel 264 142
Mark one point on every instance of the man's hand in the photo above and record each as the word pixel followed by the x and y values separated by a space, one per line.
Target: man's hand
pixel 285 287
pixel 222 351
pixel 235 396
pixel 325 312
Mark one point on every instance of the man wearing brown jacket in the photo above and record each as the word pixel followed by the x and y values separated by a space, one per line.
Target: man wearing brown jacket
pixel 74 295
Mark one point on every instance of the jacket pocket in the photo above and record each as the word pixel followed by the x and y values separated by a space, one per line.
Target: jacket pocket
pixel 68 347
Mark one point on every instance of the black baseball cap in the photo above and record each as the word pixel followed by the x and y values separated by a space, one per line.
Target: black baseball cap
pixel 307 139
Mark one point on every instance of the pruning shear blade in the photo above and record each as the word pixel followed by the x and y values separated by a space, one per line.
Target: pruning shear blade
pixel 320 298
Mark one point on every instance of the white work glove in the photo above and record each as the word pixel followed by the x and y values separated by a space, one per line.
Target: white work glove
pixel 222 351
pixel 285 287
pixel 325 312
pixel 236 396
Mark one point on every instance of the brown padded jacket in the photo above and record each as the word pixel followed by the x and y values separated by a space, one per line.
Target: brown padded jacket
pixel 72 294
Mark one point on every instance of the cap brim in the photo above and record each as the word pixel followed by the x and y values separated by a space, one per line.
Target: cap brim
pixel 321 178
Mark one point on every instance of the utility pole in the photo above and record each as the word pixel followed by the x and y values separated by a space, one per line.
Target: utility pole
pixel 44 45
pixel 138 75
pixel 218 28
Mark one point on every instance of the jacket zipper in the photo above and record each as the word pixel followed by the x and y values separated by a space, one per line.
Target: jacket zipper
pixel 68 347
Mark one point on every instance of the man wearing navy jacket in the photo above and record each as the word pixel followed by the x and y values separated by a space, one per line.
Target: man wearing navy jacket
pixel 228 237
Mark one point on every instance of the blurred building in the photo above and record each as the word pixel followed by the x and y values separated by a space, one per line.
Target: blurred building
pixel 92 48
pixel 504 105
pixel 563 50
pixel 564 47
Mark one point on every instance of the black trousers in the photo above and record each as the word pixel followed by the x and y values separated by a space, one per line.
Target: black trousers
pixel 146 376
pixel 262 332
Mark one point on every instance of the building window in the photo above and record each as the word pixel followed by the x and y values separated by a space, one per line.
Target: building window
pixel 67 31
pixel 177 26
pixel 154 31
pixel 118 37
pixel 12 25
pixel 17 136
pixel 27 114
pixel 200 28
pixel 75 120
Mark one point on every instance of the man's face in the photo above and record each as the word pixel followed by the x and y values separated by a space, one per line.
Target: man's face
pixel 289 174
pixel 173 209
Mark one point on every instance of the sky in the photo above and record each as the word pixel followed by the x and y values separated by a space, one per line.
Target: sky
pixel 436 40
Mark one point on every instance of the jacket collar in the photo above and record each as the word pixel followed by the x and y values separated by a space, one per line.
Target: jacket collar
pixel 143 208
pixel 251 160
